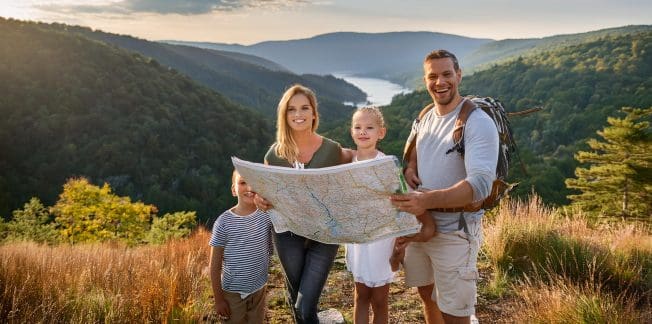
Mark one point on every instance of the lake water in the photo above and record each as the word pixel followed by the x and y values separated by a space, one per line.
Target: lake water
pixel 379 92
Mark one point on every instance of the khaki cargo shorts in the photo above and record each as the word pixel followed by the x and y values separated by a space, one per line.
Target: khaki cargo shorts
pixel 449 260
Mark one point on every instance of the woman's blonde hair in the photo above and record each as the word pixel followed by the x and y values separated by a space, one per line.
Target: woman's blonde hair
pixel 286 146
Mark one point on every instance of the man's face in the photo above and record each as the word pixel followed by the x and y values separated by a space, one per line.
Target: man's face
pixel 441 80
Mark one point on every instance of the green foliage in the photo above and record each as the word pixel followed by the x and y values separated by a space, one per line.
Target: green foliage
pixel 88 213
pixel 72 106
pixel 171 226
pixel 3 229
pixel 618 180
pixel 32 223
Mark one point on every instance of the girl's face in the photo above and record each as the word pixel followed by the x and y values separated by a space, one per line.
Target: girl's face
pixel 300 114
pixel 366 130
pixel 242 190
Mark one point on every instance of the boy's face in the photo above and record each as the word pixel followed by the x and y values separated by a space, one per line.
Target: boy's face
pixel 241 189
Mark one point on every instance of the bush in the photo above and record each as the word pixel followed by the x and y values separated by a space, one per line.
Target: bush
pixel 32 223
pixel 171 226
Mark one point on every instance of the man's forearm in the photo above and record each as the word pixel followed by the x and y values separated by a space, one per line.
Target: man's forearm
pixel 458 195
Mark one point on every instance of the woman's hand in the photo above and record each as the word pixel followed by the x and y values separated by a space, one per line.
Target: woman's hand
pixel 262 203
pixel 346 155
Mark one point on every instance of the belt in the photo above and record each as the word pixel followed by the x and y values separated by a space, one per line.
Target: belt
pixel 469 208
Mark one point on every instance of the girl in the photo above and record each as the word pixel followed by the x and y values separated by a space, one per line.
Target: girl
pixel 306 263
pixel 368 262
pixel 373 264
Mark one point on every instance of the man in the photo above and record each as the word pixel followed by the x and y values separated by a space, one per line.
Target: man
pixel 445 268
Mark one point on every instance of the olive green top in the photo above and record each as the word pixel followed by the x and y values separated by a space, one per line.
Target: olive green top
pixel 328 154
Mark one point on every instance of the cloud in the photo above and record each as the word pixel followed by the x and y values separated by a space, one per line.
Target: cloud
pixel 181 7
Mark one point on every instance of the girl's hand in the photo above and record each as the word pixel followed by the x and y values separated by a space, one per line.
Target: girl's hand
pixel 222 308
pixel 262 203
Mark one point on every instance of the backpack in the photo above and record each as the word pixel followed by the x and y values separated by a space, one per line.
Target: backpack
pixel 506 145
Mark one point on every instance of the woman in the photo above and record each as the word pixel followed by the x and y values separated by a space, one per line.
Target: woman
pixel 306 263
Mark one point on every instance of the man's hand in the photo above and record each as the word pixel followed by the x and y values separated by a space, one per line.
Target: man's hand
pixel 413 202
pixel 262 203
pixel 411 177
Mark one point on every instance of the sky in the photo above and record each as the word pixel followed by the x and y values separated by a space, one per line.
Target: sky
pixel 250 21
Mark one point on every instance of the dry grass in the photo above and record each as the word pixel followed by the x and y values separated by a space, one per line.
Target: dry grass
pixel 566 302
pixel 113 283
pixel 102 282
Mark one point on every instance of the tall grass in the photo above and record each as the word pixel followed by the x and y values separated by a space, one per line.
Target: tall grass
pixel 564 301
pixel 534 246
pixel 102 282
pixel 550 267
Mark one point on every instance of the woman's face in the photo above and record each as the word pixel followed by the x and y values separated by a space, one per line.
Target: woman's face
pixel 300 114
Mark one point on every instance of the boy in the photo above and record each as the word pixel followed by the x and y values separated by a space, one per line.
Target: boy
pixel 241 245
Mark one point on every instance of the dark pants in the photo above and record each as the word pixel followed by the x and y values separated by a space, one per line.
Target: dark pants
pixel 306 264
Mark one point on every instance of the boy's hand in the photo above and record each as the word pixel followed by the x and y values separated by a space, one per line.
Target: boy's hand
pixel 222 308
pixel 262 203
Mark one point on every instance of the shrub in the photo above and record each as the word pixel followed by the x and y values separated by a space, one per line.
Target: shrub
pixel 171 226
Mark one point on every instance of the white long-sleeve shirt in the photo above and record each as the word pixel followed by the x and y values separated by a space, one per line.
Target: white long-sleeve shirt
pixel 438 170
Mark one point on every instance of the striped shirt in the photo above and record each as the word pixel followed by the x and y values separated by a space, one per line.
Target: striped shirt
pixel 247 243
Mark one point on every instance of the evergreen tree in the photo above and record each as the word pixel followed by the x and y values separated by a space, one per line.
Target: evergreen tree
pixel 618 180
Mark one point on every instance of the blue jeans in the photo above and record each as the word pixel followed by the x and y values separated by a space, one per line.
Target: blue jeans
pixel 306 264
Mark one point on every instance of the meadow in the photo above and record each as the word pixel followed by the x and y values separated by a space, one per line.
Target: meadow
pixel 538 265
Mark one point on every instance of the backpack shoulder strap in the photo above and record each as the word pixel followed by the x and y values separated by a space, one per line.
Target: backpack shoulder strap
pixel 468 107
pixel 412 139
pixel 425 110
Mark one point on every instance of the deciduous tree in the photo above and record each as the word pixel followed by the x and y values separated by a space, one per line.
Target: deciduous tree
pixel 88 213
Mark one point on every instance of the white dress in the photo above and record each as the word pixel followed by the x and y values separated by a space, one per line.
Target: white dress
pixel 369 262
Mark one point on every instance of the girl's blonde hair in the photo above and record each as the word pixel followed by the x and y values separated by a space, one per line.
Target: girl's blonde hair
pixel 374 111
pixel 286 146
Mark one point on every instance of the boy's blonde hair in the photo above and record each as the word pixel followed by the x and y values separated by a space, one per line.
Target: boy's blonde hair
pixel 286 146
pixel 374 111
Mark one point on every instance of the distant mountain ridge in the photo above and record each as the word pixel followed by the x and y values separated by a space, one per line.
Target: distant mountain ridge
pixel 381 55
pixel 397 56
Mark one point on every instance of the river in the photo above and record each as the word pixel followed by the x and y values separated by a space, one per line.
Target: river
pixel 379 92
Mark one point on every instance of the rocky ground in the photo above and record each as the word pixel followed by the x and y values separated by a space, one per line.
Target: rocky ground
pixel 405 306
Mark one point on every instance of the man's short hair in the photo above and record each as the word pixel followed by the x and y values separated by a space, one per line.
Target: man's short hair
pixel 441 53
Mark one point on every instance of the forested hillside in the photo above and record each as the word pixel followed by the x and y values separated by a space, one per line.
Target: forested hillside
pixel 503 50
pixel 577 86
pixel 71 106
pixel 248 80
